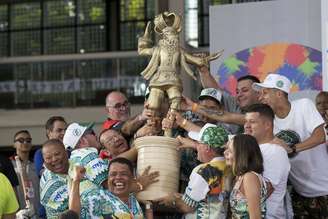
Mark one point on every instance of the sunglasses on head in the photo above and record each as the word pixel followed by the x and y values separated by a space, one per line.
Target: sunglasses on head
pixel 23 140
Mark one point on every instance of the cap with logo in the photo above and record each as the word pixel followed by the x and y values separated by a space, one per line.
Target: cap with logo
pixel 74 132
pixel 211 92
pixel 212 135
pixel 277 81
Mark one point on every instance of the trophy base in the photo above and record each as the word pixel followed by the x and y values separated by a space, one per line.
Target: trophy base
pixel 162 155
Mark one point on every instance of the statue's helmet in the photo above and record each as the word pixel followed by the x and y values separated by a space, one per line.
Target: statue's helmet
pixel 167 19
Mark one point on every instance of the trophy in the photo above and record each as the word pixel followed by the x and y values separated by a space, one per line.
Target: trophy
pixel 168 59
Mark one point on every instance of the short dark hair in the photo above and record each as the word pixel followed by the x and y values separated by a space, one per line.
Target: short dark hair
pixel 219 151
pixel 263 109
pixel 69 214
pixel 20 132
pixel 122 160
pixel 50 122
pixel 248 155
pixel 323 93
pixel 53 142
pixel 249 77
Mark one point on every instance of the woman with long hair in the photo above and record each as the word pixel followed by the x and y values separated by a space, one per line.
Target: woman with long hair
pixel 247 198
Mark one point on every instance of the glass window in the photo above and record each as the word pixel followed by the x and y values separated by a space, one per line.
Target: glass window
pixel 132 10
pixel 129 34
pixel 58 13
pixel 59 41
pixel 134 15
pixel 70 83
pixel 3 17
pixel 25 43
pixel 91 38
pixel 3 44
pixel 91 11
pixel 197 21
pixel 26 16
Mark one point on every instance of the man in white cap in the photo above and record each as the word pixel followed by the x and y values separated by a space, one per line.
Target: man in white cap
pixel 80 136
pixel 308 175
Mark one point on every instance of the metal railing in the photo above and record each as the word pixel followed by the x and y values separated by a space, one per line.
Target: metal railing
pixel 69 80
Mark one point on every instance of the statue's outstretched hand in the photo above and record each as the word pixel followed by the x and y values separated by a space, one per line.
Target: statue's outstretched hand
pixel 212 57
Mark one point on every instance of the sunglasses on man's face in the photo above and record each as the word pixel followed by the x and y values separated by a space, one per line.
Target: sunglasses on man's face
pixel 24 140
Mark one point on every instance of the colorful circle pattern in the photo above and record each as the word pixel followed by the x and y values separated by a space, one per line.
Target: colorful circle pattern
pixel 301 64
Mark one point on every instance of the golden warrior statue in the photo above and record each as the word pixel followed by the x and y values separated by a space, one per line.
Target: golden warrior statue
pixel 167 59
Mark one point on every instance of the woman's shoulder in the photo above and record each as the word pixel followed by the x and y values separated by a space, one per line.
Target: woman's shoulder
pixel 252 176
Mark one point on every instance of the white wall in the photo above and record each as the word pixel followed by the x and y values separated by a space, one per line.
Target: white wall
pixel 240 26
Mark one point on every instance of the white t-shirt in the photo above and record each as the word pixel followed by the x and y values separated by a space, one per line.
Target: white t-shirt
pixel 276 169
pixel 308 173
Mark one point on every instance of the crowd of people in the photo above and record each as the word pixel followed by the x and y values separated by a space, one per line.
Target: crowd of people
pixel 253 155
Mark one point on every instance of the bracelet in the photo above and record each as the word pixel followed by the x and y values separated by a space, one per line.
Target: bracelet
pixel 184 123
pixel 140 186
pixel 194 107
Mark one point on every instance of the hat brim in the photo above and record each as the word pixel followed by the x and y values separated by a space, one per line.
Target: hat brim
pixel 193 135
pixel 259 86
pixel 90 125
pixel 202 97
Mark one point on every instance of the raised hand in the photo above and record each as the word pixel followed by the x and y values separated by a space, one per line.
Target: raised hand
pixel 186 143
pixel 211 57
pixel 79 172
pixel 186 103
pixel 147 178
pixel 146 113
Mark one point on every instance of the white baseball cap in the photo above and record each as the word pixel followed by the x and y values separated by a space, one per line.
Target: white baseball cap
pixel 73 134
pixel 277 81
pixel 211 92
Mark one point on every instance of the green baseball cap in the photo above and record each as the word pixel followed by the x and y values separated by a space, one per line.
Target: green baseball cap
pixel 212 135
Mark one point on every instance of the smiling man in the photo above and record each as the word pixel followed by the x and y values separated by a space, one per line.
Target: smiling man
pixel 259 124
pixel 113 142
pixel 308 173
pixel 245 95
pixel 55 178
pixel 55 129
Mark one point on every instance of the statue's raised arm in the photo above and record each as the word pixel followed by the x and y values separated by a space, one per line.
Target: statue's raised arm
pixel 145 42
pixel 167 60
